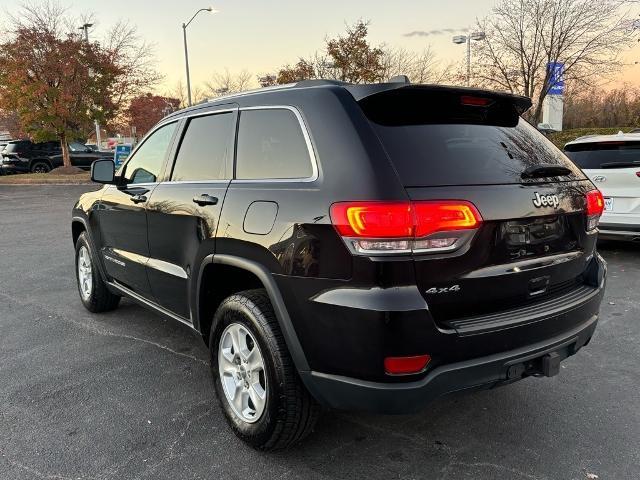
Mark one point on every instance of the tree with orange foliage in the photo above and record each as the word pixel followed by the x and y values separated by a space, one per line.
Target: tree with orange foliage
pixel 146 110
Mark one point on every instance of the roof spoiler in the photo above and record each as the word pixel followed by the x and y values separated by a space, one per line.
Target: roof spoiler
pixel 361 92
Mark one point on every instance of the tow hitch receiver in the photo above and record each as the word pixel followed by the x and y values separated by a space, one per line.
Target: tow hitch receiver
pixel 547 366
pixel 551 364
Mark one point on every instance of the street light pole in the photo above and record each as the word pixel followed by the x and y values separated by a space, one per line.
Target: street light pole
pixel 186 61
pixel 86 27
pixel 459 39
pixel 468 60
pixel 186 50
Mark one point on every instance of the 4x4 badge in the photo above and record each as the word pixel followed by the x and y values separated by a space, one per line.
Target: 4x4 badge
pixel 453 288
pixel 545 200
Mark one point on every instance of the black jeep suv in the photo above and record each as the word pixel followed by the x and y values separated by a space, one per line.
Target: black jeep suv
pixel 23 156
pixel 361 247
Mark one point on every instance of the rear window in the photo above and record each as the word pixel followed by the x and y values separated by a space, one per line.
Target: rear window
pixel 443 138
pixel 615 154
pixel 16 147
pixel 459 154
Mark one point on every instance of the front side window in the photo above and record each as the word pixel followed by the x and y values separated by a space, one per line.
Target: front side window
pixel 146 164
pixel 271 145
pixel 205 149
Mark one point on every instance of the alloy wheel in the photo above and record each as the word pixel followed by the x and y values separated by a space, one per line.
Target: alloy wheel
pixel 85 276
pixel 242 373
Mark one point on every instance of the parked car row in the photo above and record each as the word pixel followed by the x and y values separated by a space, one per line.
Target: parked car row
pixel 25 156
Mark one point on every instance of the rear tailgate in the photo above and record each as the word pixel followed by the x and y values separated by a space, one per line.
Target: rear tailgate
pixel 457 144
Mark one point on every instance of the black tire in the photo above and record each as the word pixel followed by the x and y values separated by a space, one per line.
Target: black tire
pixel 290 412
pixel 40 167
pixel 100 299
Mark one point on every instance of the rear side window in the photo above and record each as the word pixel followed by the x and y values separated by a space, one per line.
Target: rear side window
pixel 16 147
pixel 205 149
pixel 271 145
pixel 435 139
pixel 615 154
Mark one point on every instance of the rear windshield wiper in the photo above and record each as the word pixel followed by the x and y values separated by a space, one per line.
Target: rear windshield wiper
pixel 619 164
pixel 546 170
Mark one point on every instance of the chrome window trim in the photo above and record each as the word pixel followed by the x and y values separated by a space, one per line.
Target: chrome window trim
pixel 196 182
pixel 307 138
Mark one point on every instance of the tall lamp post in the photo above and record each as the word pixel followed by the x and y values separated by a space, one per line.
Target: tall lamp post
pixel 86 27
pixel 460 39
pixel 186 51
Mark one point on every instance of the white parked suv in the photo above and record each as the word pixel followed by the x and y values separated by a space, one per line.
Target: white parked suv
pixel 612 162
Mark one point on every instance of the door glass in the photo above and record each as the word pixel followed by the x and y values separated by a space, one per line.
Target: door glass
pixel 77 147
pixel 146 164
pixel 271 145
pixel 205 149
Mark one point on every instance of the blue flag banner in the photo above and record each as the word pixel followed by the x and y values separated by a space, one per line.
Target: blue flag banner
pixel 556 78
pixel 121 154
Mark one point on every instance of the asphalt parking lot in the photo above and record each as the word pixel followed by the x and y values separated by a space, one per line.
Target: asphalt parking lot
pixel 128 394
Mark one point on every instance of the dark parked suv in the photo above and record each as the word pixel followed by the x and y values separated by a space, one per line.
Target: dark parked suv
pixel 360 247
pixel 23 156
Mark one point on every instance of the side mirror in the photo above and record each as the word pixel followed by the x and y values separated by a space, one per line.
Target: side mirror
pixel 103 171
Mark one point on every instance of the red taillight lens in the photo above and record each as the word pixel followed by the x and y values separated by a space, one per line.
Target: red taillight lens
pixel 400 227
pixel 373 219
pixel 638 174
pixel 406 365
pixel 432 217
pixel 595 202
pixel 595 207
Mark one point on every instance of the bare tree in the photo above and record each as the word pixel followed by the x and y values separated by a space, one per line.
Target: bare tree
pixel 223 83
pixel 596 107
pixel 420 67
pixel 136 58
pixel 525 36
pixel 179 91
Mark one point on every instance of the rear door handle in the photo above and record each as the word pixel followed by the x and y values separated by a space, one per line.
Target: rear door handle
pixel 139 198
pixel 205 199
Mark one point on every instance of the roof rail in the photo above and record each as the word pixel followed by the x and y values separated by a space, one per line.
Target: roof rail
pixel 254 90
pixel 320 81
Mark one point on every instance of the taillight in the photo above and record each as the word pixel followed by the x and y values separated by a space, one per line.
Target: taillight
pixel 375 228
pixel 594 209
pixel 406 365
pixel 638 174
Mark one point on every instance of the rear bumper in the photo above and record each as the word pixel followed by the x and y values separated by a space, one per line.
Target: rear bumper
pixel 619 231
pixel 539 359
pixel 18 167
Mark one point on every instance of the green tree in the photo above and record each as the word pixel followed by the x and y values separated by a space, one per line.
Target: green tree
pixel 57 86
pixel 349 57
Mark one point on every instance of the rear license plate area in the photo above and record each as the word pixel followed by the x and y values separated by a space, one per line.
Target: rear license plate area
pixel 608 204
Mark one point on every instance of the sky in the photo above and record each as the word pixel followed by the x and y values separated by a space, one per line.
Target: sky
pixel 262 35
